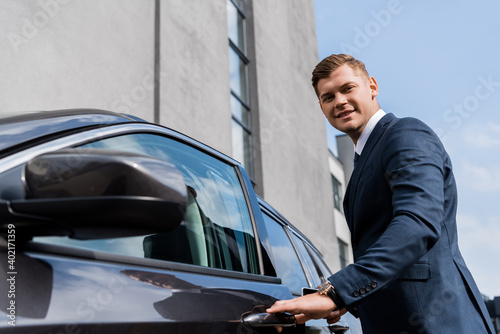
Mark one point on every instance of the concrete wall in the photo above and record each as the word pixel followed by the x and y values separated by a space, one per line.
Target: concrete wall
pixel 73 54
pixel 194 67
pixel 292 132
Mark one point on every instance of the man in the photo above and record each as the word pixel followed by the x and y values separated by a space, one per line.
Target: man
pixel 408 274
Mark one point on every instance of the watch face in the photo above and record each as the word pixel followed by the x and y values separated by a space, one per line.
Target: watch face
pixel 323 288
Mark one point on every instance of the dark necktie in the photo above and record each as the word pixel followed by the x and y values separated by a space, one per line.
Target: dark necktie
pixel 356 158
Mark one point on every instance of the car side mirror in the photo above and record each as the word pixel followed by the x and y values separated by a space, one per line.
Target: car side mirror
pixel 96 193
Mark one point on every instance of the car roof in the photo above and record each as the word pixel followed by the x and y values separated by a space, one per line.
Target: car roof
pixel 17 129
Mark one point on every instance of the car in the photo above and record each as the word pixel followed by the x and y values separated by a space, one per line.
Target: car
pixel 113 224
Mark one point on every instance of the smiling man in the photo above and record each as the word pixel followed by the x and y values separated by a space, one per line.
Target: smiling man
pixel 347 97
pixel 408 275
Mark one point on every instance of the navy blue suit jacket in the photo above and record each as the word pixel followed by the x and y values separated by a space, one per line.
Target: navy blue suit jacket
pixel 408 274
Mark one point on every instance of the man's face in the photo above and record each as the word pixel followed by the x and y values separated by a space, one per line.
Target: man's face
pixel 348 100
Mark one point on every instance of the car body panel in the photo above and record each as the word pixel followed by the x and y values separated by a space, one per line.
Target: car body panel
pixel 81 292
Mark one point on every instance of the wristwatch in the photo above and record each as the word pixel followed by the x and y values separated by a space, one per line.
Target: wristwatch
pixel 327 289
pixel 324 288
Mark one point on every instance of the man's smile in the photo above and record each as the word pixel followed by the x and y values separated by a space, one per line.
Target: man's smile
pixel 344 113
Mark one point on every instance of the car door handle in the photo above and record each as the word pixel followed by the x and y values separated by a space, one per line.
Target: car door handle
pixel 269 319
pixel 338 329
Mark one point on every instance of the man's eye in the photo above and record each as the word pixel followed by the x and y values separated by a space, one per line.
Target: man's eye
pixel 348 88
pixel 328 98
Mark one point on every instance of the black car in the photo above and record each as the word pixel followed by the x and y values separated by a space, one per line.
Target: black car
pixel 110 224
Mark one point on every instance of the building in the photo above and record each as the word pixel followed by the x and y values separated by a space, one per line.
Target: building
pixel 493 306
pixel 234 74
pixel 337 173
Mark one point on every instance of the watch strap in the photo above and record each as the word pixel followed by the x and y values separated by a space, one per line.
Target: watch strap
pixel 332 293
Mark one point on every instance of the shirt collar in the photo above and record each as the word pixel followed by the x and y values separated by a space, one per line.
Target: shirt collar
pixel 358 148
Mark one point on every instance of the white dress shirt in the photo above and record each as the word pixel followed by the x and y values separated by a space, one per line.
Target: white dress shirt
pixel 358 148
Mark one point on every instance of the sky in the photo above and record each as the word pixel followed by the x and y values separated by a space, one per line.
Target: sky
pixel 438 61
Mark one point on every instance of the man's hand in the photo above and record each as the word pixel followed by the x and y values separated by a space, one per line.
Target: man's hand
pixel 312 306
pixel 335 316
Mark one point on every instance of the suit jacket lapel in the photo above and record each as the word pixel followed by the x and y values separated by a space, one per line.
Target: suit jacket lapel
pixel 356 174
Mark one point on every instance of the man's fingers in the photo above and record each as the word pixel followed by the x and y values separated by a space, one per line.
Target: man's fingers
pixel 312 306
pixel 301 318
pixel 333 320
pixel 283 306
pixel 335 315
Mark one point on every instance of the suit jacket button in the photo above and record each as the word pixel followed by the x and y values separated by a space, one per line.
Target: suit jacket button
pixel 374 285
pixel 362 291
pixel 356 293
pixel 368 288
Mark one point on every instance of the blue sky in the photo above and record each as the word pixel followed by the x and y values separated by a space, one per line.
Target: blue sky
pixel 437 61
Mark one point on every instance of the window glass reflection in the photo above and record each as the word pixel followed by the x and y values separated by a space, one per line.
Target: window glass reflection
pixel 286 262
pixel 312 273
pixel 217 230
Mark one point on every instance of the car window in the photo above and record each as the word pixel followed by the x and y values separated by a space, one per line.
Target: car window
pixel 286 262
pixel 217 230
pixel 320 265
pixel 307 261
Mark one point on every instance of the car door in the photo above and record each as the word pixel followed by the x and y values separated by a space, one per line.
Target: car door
pixel 302 268
pixel 203 277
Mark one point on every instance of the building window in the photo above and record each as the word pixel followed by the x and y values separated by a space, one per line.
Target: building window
pixel 238 74
pixel 343 253
pixel 337 195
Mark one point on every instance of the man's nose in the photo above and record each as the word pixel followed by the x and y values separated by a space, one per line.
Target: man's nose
pixel 340 100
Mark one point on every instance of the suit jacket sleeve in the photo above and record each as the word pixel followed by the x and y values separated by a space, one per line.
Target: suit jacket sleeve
pixel 409 156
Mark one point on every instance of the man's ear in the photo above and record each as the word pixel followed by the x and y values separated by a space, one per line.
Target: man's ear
pixel 373 86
